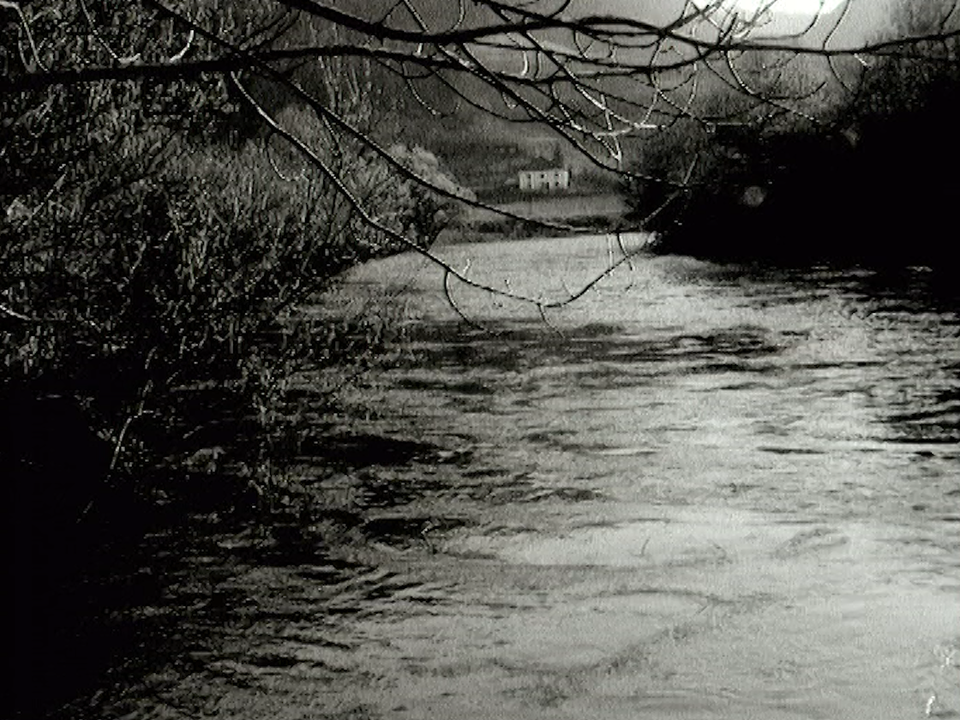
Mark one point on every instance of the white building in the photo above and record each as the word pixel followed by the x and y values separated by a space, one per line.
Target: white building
pixel 548 179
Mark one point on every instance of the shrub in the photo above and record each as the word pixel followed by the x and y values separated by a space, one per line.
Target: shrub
pixel 141 263
pixel 869 183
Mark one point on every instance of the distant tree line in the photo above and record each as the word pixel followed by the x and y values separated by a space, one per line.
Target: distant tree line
pixel 864 173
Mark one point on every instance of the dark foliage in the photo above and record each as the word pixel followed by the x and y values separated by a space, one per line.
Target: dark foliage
pixel 871 182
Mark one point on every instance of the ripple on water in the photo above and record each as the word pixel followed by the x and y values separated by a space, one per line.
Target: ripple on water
pixel 588 539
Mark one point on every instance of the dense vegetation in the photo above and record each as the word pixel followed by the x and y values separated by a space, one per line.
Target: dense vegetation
pixel 156 246
pixel 864 176
pixel 159 249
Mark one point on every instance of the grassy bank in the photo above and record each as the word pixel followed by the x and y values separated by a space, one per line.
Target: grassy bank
pixel 162 258
pixel 594 213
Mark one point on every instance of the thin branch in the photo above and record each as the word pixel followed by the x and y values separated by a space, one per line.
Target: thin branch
pixel 366 218
pixel 24 27
pixel 10 312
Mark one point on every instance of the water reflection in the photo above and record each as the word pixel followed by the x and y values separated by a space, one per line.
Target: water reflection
pixel 912 322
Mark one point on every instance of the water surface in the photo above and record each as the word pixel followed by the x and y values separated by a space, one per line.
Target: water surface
pixel 696 492
pixel 710 493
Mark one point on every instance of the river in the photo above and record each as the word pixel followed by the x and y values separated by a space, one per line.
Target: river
pixel 696 492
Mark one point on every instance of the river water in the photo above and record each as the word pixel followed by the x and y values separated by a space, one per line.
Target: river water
pixel 695 492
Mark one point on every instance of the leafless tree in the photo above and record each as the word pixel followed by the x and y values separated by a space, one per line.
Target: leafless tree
pixel 111 85
pixel 597 80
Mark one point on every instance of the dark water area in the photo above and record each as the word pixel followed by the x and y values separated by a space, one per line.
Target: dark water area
pixel 699 491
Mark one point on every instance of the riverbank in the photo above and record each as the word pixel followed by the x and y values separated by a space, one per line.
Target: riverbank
pixel 589 213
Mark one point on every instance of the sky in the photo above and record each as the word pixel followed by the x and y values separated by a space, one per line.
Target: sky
pixel 802 8
pixel 856 20
pixel 861 21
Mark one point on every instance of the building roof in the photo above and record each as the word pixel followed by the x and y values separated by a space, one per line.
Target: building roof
pixel 538 164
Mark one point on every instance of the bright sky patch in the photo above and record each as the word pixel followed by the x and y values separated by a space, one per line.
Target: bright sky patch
pixel 807 8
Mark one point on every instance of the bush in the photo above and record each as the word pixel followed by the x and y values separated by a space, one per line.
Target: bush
pixel 150 250
pixel 869 183
pixel 783 196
